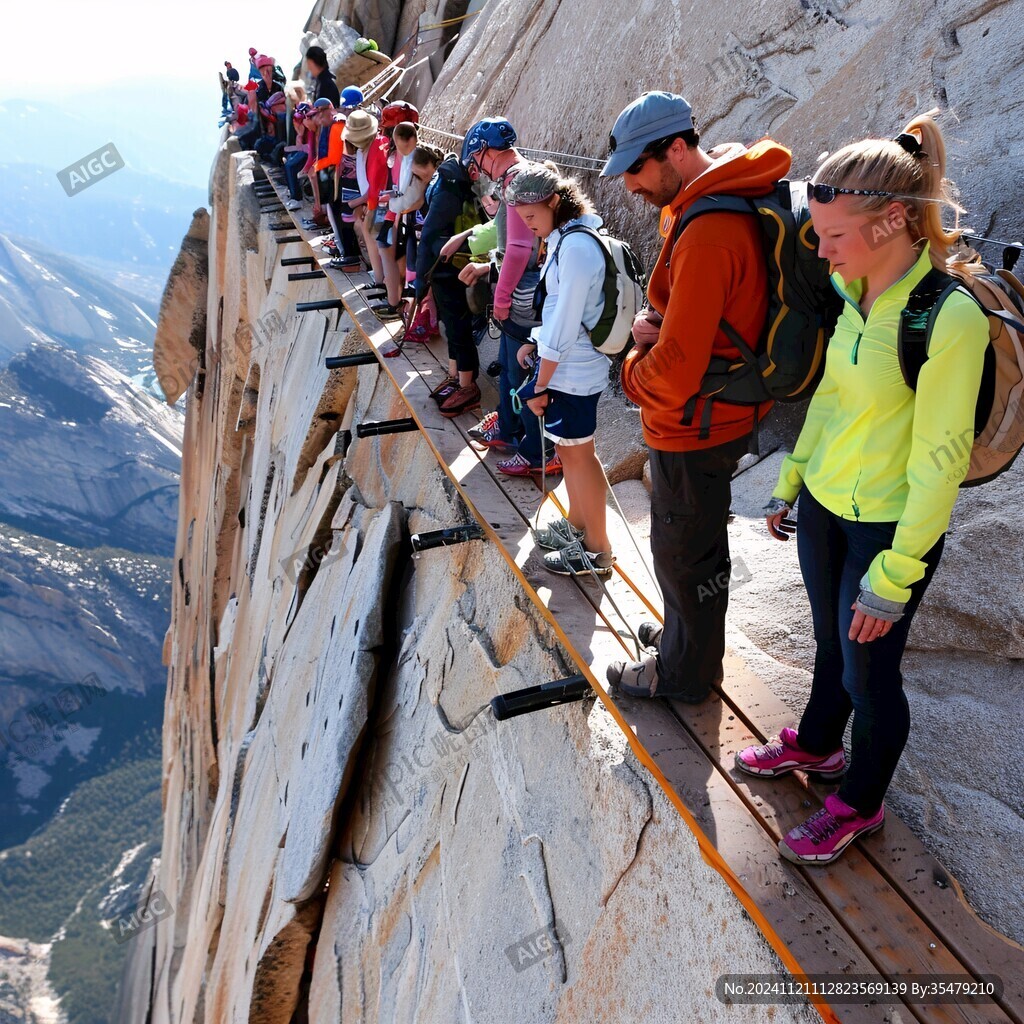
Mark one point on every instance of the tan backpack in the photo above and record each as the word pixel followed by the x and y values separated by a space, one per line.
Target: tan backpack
pixel 999 414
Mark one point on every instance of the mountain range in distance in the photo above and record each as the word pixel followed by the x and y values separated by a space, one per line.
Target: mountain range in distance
pixel 128 225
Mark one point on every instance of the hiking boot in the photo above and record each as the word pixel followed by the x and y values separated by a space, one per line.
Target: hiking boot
pixel 825 835
pixel 575 560
pixel 649 634
pixel 488 433
pixel 635 678
pixel 293 204
pixel 371 286
pixel 460 400
pixel 443 390
pixel 385 311
pixel 783 755
pixel 346 265
pixel 557 535
pixel 640 679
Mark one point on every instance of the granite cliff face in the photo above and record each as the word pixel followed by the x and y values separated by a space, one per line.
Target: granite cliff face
pixel 812 75
pixel 345 837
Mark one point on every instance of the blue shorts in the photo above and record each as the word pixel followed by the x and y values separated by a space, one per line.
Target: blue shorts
pixel 571 419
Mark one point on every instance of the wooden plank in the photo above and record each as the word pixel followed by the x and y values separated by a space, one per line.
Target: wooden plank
pixel 898 941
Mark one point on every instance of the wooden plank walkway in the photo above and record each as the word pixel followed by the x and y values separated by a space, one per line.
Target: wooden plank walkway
pixel 886 910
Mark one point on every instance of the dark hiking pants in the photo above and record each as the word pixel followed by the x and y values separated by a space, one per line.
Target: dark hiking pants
pixel 690 495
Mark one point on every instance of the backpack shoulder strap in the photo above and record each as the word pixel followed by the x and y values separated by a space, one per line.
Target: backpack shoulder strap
pixel 712 204
pixel 593 232
pixel 719 204
pixel 917 320
pixel 575 228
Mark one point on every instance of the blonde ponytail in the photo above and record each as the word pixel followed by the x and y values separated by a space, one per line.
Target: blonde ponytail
pixel 913 168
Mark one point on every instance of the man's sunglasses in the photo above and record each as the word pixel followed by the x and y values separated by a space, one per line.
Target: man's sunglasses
pixel 826 193
pixel 655 149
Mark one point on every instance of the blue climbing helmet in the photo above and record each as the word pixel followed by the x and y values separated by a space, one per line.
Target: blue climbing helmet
pixel 490 133
pixel 351 96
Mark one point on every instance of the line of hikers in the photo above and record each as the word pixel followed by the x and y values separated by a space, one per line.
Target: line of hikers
pixel 907 380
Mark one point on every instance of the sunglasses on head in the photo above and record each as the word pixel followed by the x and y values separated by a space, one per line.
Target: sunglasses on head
pixel 826 193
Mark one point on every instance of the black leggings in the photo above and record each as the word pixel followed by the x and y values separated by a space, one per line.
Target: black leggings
pixel 347 243
pixel 453 312
pixel 850 677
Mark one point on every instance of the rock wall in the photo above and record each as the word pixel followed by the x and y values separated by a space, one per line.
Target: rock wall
pixel 176 353
pixel 811 74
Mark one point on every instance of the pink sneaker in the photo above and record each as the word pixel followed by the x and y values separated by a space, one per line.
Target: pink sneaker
pixel 518 465
pixel 783 755
pixel 825 835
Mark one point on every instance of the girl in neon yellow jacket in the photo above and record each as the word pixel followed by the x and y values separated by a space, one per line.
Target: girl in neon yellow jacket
pixel 877 467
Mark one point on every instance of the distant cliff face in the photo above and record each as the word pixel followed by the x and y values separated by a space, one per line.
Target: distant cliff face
pixel 48 297
pixel 114 482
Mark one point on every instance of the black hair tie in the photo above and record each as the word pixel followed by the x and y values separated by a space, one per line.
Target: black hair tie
pixel 910 144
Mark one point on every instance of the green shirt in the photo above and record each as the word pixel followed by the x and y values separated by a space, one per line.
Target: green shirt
pixel 871 448
pixel 484 238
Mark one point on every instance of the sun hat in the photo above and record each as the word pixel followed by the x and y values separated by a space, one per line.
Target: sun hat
pixel 533 183
pixel 360 128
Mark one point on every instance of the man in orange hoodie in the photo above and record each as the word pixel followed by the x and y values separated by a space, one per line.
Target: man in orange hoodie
pixel 713 269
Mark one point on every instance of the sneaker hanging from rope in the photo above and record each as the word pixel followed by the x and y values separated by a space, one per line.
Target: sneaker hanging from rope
pixel 557 535
pixel 575 560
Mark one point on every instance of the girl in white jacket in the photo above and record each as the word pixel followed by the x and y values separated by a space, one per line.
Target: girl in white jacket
pixel 570 373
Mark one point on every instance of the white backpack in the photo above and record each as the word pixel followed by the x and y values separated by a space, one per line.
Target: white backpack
pixel 625 285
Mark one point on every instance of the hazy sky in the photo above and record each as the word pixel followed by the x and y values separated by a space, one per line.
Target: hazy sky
pixel 96 42
pixel 115 49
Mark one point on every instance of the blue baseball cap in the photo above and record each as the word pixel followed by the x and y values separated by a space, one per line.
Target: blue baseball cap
pixel 648 118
